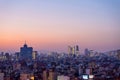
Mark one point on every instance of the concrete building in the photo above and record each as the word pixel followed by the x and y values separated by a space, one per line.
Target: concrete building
pixel 118 54
pixel 34 55
pixel 1 76
pixel 45 77
pixel 62 77
pixel 52 75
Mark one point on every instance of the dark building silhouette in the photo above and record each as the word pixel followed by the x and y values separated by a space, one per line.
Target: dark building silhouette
pixel 87 52
pixel 17 55
pixel 77 48
pixel 7 55
pixel 26 52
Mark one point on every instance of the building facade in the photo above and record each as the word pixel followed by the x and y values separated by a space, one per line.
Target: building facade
pixel 26 52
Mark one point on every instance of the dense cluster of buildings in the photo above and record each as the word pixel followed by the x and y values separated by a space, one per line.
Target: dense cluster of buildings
pixel 31 65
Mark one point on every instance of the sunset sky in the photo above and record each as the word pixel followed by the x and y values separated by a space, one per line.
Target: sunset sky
pixel 54 24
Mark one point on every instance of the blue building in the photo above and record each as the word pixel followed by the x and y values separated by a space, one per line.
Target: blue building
pixel 26 52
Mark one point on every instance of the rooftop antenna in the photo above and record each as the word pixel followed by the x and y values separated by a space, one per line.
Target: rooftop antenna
pixel 25 42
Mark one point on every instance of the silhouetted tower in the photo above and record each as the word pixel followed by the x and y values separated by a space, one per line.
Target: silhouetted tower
pixel 87 52
pixel 77 49
pixel 26 52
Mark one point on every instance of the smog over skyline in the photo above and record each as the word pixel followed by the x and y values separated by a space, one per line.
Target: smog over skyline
pixel 53 25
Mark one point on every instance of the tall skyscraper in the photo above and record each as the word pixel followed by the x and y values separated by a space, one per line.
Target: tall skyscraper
pixel 73 50
pixel 77 49
pixel 34 55
pixel 69 50
pixel 26 52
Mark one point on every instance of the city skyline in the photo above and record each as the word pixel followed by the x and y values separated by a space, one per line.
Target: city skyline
pixel 54 25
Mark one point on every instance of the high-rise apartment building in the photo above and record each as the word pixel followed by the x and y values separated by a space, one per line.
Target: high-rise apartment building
pixel 73 50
